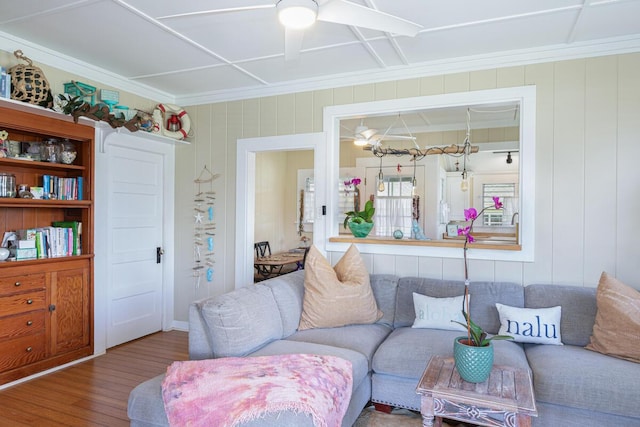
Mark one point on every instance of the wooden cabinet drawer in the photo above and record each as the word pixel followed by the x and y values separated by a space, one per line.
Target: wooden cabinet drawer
pixel 21 303
pixel 22 351
pixel 22 324
pixel 11 284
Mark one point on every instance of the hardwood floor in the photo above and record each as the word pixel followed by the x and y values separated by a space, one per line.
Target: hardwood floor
pixel 93 393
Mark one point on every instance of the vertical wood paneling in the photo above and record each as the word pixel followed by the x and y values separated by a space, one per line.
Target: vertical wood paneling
pixel 430 267
pixel 408 88
pixel 600 158
pixel 540 271
pixel 269 116
pixel 202 150
pixel 458 82
pixel 343 95
pixel 484 79
pixel 286 114
pixel 321 98
pixel 408 265
pixel 431 85
pixel 233 133
pixel 384 264
pixel 385 90
pixel 628 172
pixel 510 76
pixel 364 93
pixel 250 118
pixel 568 172
pixel 509 271
pixel 453 269
pixel 304 112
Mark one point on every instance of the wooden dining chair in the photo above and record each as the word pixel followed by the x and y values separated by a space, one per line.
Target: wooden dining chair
pixel 263 272
pixel 304 259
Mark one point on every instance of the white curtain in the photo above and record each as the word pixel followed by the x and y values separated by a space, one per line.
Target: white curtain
pixel 392 213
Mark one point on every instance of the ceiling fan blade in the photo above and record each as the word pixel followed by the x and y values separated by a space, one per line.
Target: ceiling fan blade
pixel 399 137
pixel 292 43
pixel 345 12
pixel 368 133
pixel 215 11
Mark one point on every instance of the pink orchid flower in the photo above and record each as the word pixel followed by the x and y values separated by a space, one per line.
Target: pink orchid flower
pixel 356 181
pixel 497 202
pixel 465 232
pixel 470 214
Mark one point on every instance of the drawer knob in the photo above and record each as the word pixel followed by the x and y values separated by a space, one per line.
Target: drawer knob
pixel 29 301
pixel 17 284
pixel 29 322
pixel 29 349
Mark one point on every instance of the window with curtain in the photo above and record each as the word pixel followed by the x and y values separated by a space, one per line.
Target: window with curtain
pixel 394 206
pixel 346 199
pixel 507 194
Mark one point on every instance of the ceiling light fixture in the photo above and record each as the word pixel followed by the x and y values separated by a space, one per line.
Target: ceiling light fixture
pixel 360 141
pixel 297 14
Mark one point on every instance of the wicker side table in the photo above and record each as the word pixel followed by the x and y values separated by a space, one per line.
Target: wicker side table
pixel 505 399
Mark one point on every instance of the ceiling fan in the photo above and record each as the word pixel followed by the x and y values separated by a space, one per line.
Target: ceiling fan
pixel 363 135
pixel 297 15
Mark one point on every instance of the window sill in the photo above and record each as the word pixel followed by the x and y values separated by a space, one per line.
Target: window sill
pixel 453 243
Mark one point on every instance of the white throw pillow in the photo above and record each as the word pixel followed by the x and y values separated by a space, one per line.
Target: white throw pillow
pixel 438 313
pixel 531 325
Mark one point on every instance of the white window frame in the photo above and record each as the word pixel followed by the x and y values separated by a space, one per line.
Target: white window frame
pixel 525 95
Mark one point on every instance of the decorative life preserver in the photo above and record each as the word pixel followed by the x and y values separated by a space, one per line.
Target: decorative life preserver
pixel 185 121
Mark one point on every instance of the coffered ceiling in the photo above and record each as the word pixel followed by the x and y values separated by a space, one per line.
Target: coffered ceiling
pixel 240 54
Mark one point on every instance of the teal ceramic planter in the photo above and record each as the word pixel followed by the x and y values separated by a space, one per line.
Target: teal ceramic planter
pixel 360 230
pixel 474 364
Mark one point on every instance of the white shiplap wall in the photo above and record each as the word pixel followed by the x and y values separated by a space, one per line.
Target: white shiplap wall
pixel 587 181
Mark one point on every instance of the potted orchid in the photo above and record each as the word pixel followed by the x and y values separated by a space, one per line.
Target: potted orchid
pixel 359 223
pixel 473 353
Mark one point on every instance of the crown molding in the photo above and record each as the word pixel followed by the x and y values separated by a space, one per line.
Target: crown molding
pixel 563 52
pixel 560 52
pixel 82 69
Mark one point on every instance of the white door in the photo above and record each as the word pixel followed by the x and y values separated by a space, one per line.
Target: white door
pixel 134 234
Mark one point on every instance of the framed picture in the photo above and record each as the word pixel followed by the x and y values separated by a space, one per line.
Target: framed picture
pixel 452 230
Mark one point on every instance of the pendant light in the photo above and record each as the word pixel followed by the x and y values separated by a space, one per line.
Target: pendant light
pixel 380 178
pixel 414 183
pixel 464 184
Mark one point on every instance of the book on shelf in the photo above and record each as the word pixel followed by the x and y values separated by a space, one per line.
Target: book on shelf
pixel 62 238
pixel 5 83
pixel 62 188
pixel 74 235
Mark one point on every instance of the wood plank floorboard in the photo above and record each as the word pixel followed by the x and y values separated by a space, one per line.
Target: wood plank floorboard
pixel 95 392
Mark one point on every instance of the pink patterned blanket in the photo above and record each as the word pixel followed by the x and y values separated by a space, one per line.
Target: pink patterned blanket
pixel 229 391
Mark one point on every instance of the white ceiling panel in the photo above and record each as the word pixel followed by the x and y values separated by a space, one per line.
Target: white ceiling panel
pixel 609 19
pixel 197 81
pixel 521 33
pixel 94 33
pixel 219 53
pixel 344 59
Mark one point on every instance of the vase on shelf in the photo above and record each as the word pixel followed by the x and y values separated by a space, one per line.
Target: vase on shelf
pixel 473 363
pixel 360 230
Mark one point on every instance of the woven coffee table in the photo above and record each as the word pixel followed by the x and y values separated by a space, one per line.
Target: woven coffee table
pixel 505 399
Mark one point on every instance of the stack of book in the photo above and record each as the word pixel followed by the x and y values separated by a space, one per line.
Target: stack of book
pixel 63 238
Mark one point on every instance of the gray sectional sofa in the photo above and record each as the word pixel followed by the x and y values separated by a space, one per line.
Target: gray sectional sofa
pixel 573 386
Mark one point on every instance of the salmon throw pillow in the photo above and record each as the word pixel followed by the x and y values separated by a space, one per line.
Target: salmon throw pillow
pixel 616 331
pixel 337 296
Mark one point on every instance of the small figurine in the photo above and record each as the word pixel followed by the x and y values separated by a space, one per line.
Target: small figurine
pixel 417 232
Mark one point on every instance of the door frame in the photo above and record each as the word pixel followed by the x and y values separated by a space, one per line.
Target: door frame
pixel 166 148
pixel 246 190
